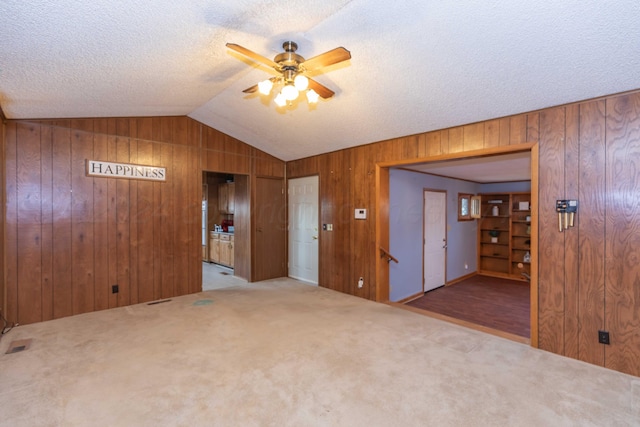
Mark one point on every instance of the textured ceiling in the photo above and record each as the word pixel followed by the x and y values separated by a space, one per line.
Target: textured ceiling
pixel 485 169
pixel 416 65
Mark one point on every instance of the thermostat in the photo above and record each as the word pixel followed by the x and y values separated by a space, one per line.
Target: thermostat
pixel 361 214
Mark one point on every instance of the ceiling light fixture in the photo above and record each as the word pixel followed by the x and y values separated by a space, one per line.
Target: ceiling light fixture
pixel 291 68
pixel 301 82
pixel 265 87
pixel 289 92
pixel 312 96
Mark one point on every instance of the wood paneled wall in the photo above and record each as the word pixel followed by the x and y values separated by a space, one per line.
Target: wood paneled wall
pixel 347 182
pixel 70 238
pixel 589 277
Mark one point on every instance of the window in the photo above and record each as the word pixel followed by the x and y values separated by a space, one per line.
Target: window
pixel 464 207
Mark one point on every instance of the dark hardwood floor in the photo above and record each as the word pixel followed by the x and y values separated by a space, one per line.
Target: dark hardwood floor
pixel 496 303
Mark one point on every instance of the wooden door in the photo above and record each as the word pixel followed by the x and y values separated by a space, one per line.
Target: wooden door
pixel 270 229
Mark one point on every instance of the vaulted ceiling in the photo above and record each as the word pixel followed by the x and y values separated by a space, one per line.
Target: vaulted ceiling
pixel 416 65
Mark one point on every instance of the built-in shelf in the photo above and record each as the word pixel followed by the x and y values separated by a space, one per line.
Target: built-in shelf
pixel 505 257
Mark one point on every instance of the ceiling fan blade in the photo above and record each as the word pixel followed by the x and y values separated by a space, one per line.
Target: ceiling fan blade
pixel 251 54
pixel 321 90
pixel 331 57
pixel 251 89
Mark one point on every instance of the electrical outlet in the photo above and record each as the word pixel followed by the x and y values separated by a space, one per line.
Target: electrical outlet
pixel 360 282
pixel 114 289
pixel 603 337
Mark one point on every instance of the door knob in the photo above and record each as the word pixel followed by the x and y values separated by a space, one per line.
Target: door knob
pixel 444 247
pixel 315 237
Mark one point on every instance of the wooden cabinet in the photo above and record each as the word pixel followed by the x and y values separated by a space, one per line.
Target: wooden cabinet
pixel 504 230
pixel 214 247
pixel 226 198
pixel 226 250
pixel 221 249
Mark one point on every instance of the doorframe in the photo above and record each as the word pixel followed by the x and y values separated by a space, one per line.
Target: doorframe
pixel 319 220
pixel 382 218
pixel 424 217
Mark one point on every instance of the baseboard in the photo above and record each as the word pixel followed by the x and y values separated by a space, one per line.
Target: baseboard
pixel 461 278
pixel 410 298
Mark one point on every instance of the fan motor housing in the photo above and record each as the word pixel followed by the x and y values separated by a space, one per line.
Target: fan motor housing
pixel 288 59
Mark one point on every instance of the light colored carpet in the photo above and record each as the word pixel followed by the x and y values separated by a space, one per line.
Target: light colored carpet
pixel 282 353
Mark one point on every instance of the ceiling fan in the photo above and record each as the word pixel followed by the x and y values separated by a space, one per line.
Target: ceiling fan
pixel 291 69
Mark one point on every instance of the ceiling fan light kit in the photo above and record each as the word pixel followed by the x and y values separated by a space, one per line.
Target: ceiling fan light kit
pixel 291 68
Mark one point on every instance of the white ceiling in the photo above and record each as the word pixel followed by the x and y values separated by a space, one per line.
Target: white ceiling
pixel 486 169
pixel 417 65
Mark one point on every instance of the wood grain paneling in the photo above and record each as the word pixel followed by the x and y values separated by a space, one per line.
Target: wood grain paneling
pixel 456 140
pixel 335 261
pixel 82 220
pixel 46 191
pixel 551 240
pixel 72 237
pixel 11 224
pixel 491 133
pixel 591 223
pixel 363 184
pixel 473 136
pixel 573 281
pixel 518 130
pixel 622 290
pixel 571 251
pixel 140 231
pixel 61 202
pixel 242 224
pixel 29 219
pixel 101 211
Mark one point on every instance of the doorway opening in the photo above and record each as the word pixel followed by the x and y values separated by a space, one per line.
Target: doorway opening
pixel 225 234
pixel 464 260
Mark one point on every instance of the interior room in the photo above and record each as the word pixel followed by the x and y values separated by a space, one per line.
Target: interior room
pixel 464 249
pixel 236 213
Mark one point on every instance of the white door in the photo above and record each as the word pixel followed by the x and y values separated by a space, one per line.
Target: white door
pixel 435 239
pixel 303 229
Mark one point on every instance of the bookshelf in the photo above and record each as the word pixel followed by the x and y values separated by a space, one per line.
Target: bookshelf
pixel 504 239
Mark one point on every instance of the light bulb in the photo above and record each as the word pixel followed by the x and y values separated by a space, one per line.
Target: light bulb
pixel 312 96
pixel 289 92
pixel 265 87
pixel 280 100
pixel 301 82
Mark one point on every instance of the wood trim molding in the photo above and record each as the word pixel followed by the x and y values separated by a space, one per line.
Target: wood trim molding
pixel 533 284
pixel 410 298
pixel 382 232
pixel 464 323
pixel 484 152
pixel 461 278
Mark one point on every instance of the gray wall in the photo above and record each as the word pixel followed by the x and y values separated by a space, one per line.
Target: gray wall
pixel 405 229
